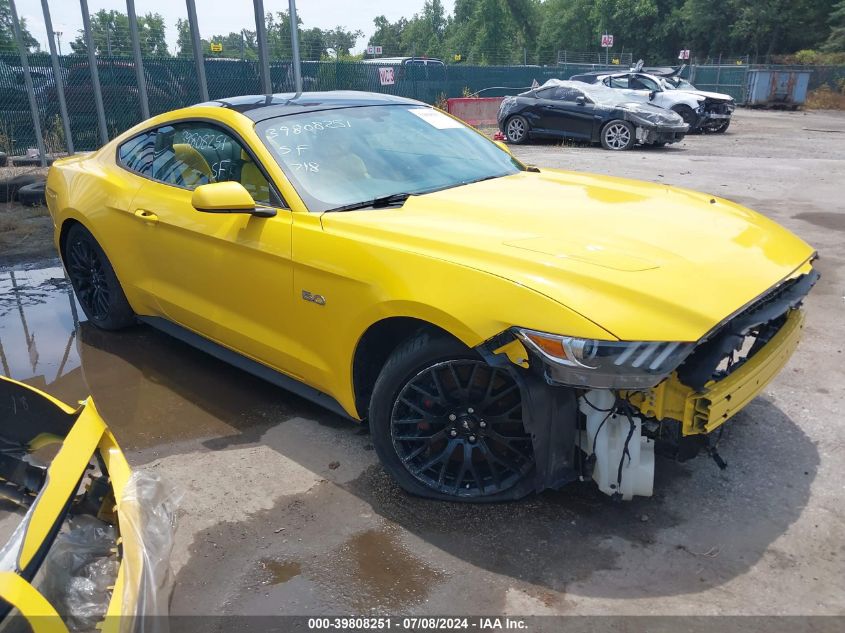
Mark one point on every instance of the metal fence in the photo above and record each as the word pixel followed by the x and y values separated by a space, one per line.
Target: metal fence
pixel 622 58
pixel 732 79
pixel 173 82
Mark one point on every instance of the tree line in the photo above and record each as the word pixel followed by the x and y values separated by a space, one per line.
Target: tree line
pixel 110 36
pixel 533 31
pixel 509 31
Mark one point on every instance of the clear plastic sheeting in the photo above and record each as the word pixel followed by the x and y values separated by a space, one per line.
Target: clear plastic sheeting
pixel 79 572
pixel 655 115
pixel 610 98
pixel 147 514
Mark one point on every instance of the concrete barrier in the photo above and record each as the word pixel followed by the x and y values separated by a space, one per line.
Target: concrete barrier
pixel 478 111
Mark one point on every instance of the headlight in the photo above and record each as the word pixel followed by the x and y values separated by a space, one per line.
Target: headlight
pixel 605 364
pixel 641 120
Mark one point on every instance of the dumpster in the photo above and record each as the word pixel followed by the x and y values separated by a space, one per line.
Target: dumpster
pixel 776 88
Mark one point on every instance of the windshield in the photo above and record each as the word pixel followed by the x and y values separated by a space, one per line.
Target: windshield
pixel 342 157
pixel 676 83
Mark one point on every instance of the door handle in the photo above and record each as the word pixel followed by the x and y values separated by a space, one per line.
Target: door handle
pixel 146 216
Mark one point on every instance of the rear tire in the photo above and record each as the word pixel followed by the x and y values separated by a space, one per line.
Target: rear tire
pixel 9 188
pixel 516 129
pixel 618 136
pixel 94 281
pixel 446 425
pixel 33 195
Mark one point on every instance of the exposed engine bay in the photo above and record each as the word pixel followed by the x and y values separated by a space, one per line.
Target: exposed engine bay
pixel 617 432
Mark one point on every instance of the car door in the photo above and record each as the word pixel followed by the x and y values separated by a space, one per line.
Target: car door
pixel 568 112
pixel 649 90
pixel 546 115
pixel 621 83
pixel 228 277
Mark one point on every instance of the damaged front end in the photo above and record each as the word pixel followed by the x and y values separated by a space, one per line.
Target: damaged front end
pixel 715 114
pixel 92 538
pixel 654 125
pixel 600 409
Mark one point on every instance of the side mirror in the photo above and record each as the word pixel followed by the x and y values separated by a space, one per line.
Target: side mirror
pixel 581 100
pixel 227 197
pixel 504 146
pixel 652 95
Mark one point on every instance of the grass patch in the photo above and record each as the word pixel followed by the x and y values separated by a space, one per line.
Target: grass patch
pixel 25 233
pixel 827 98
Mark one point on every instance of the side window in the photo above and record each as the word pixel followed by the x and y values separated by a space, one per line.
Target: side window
pixel 567 94
pixel 192 154
pixel 617 82
pixel 136 154
pixel 644 83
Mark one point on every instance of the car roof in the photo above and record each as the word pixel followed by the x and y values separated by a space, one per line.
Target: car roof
pixel 402 60
pixel 262 107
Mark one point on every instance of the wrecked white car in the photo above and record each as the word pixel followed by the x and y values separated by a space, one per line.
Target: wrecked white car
pixel 702 111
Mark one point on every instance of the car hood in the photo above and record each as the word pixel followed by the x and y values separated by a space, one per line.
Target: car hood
pixel 708 95
pixel 644 261
pixel 652 114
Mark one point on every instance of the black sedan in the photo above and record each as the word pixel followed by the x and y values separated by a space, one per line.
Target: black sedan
pixel 566 109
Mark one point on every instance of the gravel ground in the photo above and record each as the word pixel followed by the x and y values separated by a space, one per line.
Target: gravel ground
pixel 287 512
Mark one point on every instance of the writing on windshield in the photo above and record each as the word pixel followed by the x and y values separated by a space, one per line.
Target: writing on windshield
pixel 344 156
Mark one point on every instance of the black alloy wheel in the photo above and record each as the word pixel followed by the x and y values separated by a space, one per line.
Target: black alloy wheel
pixel 453 427
pixel 722 127
pixel 89 279
pixel 94 281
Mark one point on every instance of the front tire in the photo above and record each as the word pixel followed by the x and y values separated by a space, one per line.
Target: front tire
pixel 94 281
pixel 723 127
pixel 516 129
pixel 618 135
pixel 687 114
pixel 447 425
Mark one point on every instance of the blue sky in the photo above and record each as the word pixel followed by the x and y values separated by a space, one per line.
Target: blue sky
pixel 218 17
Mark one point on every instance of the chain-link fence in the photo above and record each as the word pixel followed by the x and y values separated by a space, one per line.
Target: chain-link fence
pixel 172 83
pixel 732 79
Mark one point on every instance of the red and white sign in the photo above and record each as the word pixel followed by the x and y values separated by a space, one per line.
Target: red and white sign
pixel 385 76
pixel 684 54
pixel 378 50
pixel 607 41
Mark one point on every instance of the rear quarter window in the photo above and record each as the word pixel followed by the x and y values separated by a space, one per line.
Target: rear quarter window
pixel 136 154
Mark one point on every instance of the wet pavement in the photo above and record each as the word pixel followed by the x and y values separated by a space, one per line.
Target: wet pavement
pixel 286 510
pixel 152 389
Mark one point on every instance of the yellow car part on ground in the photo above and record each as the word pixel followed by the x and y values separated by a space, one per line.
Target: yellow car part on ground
pixel 64 474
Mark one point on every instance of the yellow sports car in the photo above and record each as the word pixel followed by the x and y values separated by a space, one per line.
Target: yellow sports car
pixel 64 566
pixel 503 328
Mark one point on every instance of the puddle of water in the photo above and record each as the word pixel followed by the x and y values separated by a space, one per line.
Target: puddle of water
pixel 38 321
pixel 151 389
pixel 372 571
pixel 825 219
pixel 278 571
pixel 374 567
